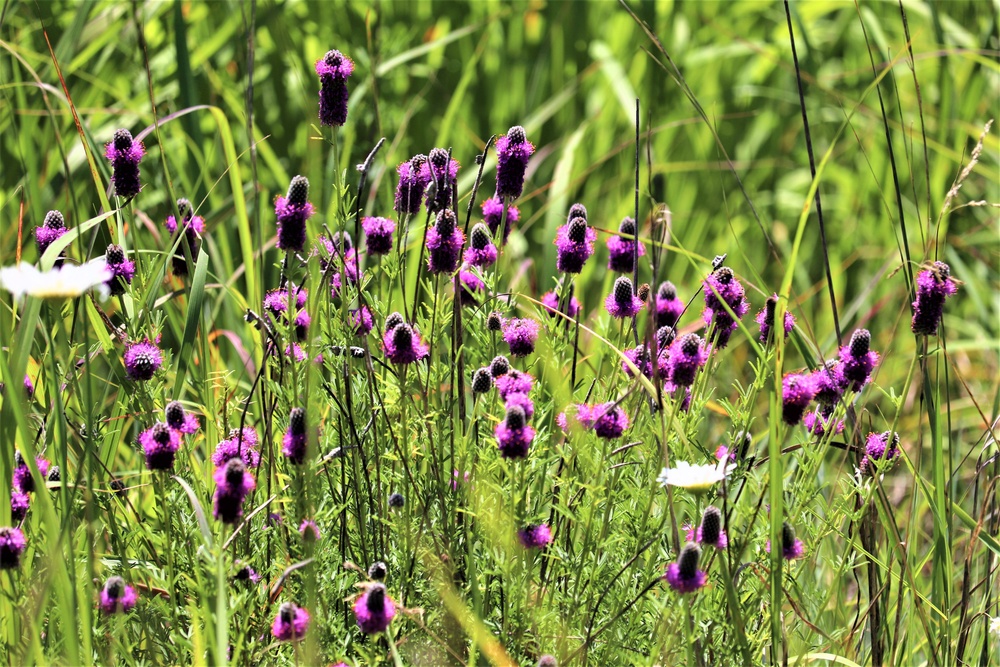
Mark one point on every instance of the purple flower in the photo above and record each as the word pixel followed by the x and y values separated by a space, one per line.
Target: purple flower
pixel 412 183
pixel 232 448
pixel 246 573
pixel 233 483
pixel 470 285
pixel 686 355
pixel 374 609
pixel 711 532
pixel 122 269
pixel 179 419
pixel 52 227
pixel 160 443
pixel 22 480
pixel 551 302
pixel 797 392
pixel 622 302
pixel 482 381
pixel 292 211
pixel 535 536
pixel 668 307
pixel 440 173
pixel 444 243
pixel 333 70
pixel 295 441
pixel 765 318
pixel 481 251
pixel 610 421
pixel 493 214
pixel 124 155
pixel 640 358
pixel 513 434
pixel 117 596
pixel 19 504
pixel 723 289
pixel 621 250
pixel 511 382
pixel 402 344
pixel 513 151
pixel 820 421
pixel 361 320
pixel 880 448
pixel 142 360
pixel 291 622
pixel 29 386
pixel 12 544
pixel 934 286
pixel 684 575
pixel 792 548
pixel 520 334
pixel 857 360
pixel 378 235
pixel 192 228
pixel 522 401
pixel 309 531
pixel 574 245
pixel 829 382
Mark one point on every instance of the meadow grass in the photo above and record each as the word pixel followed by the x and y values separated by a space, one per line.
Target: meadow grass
pixel 831 152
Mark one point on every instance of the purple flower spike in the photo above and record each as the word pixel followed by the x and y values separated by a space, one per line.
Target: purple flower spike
pixel 440 173
pixel 234 446
pixel 551 302
pixel 292 211
pixel 117 597
pixel 361 320
pixel 309 530
pixel 124 154
pixel 444 244
pixel 640 358
pixel 333 70
pixel 609 420
pixel 378 235
pixel 291 623
pixel 797 392
pixel 411 185
pixel 684 575
pixel 668 307
pixel 294 443
pixel 881 449
pixel 19 505
pixel 179 419
pixel 233 483
pixel 622 302
pixel 160 443
pixel 622 250
pixel 830 383
pixel 22 480
pixel 792 548
pixel 535 536
pixel 513 151
pixel 934 286
pixel 522 401
pixel 765 319
pixel 574 245
pixel 510 382
pixel 192 227
pixel 520 335
pixel 481 251
pixel 402 344
pixel 722 287
pixel 122 270
pixel 819 422
pixel 12 544
pixel 686 355
pixel 514 435
pixel 142 360
pixel 493 214
pixel 710 532
pixel 51 229
pixel 471 285
pixel 857 360
pixel 374 610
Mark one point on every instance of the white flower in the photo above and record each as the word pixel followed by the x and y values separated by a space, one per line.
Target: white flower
pixel 696 478
pixel 64 282
pixel 995 626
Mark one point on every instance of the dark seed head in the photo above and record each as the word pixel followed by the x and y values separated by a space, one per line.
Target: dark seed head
pixel 333 58
pixel 480 237
pixel 769 306
pixel 114 587
pixel 342 241
pixel 627 226
pixel 18 459
pixel 577 211
pixel 687 562
pixel 357 352
pixel 515 417
pixel 481 381
pixel 787 536
pixel 161 433
pixel 711 525
pixel 499 366
pixel 643 292
pixel 861 342
pixel 377 570
pixel 438 158
pixel 665 336
pixel 402 335
pixel 577 230
pixel 445 224
pixel 297 421
pixel 396 500
pixel 298 191
pixel 690 343
pixel 516 135
pixel 724 275
pixel 667 291
pixel 175 414
pixel 287 612
pixel 118 487
pixel 392 321
pixel 376 599
pixel 234 471
pixel 55 474
pixel 123 140
pixel 623 290
pixel 493 322
pixel 54 220
pixel 114 254
pixel 184 208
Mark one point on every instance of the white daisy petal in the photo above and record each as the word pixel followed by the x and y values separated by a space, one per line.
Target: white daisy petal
pixel 70 280
pixel 696 478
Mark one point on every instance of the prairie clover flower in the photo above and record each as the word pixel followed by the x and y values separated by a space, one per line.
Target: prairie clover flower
pixel 609 420
pixel 857 360
pixel 792 548
pixel 686 355
pixel 233 483
pixel 622 302
pixel 641 359
pixel 240 444
pixel 482 382
pixel 246 573
pixel 444 243
pixel 411 185
pixel 392 320
pixel 333 70
pixel 695 478
pixel 668 307
pixel 22 480
pixel 765 318
pixel 396 500
pixel 820 421
pixel 513 382
pixel 710 532
pixel 722 287
pixel 574 245
pixel 513 434
pixel 934 286
pixel 684 575
pixel 52 227
pixel 142 360
pixel 499 366
pixel 547 660
pixel 377 571
pixel 880 448
pixel 361 320
pixel 493 215
pixel 622 250
pixel 309 531
pixel 19 505
pixel 292 211
pixel 513 151
pixel 520 334
pixel 378 235
pixel 124 154
pixel 665 337
pixel 122 270
pixel 440 173
pixel 829 382
pixel 160 443
pixel 63 282
pixel 294 443
pixel 192 227
pixel 116 596
pixel 29 386
pixel 535 536
pixel 12 545
pixel 551 302
pixel 470 285
pixel 523 402
pixel 797 392
pixel 481 251
pixel 374 610
pixel 179 419
pixel 402 344
pixel 291 622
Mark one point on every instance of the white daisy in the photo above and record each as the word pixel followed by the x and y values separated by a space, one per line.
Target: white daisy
pixel 995 626
pixel 68 281
pixel 695 478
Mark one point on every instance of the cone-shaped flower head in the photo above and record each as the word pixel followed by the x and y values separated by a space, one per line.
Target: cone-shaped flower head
pixel 513 382
pixel 19 504
pixel 665 336
pixel 687 354
pixel 493 216
pixel 51 229
pixel 440 172
pixel 577 210
pixel 609 420
pixel 294 443
pixel 722 287
pixel 934 286
pixel 180 419
pixel 792 548
pixel 494 321
pixel 192 227
pixel 551 302
pixel 241 444
pixel 513 151
pixel 22 480
pixel 520 334
pixel 410 188
pixel 499 366
pixel 374 610
pixel 116 596
pixel 622 249
pixel 392 321
pixel 396 500
pixel 309 531
pixel 292 211
pixel 333 70
pixel 482 382
pixel 402 345
pixel 160 443
pixel 535 536
pixel 361 320
pixel 640 358
pixel 765 319
pixel 684 575
pixel 12 544
pixel 574 245
pixel 797 392
pixel 522 401
pixel 124 153
pixel 142 360
pixel 880 448
pixel 471 285
pixel 444 243
pixel 291 622
pixel 858 360
pixel 122 270
pixel 668 307
pixel 377 570
pixel 233 483
pixel 829 382
pixel 378 235
pixel 481 251
pixel 622 302
pixel 710 532
pixel 513 434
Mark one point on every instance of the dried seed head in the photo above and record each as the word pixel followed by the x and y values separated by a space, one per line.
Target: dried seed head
pixel 577 230
pixel 298 191
pixel 861 342
pixel 297 421
pixel 114 254
pixel 623 290
pixel 54 220
pixel 711 525
pixel 481 381
pixel 480 237
pixel 499 366
pixel 687 562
